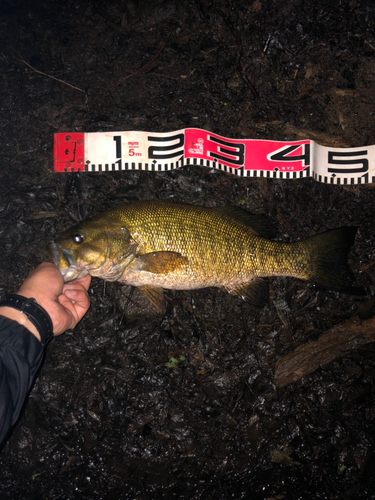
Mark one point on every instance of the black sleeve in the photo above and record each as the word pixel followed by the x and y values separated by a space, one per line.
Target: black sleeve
pixel 21 354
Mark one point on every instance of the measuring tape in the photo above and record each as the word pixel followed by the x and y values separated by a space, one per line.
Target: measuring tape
pixel 160 152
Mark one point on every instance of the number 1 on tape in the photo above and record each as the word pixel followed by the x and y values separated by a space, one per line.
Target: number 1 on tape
pixel 150 151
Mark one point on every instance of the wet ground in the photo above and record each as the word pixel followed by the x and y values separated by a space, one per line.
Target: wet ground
pixel 137 406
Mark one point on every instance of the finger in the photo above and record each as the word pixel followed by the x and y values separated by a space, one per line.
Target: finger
pixel 85 281
pixel 46 265
pixel 77 308
pixel 62 318
pixel 71 310
pixel 77 295
pixel 80 284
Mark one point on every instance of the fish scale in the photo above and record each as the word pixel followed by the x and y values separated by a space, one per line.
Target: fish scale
pixel 204 236
pixel 210 239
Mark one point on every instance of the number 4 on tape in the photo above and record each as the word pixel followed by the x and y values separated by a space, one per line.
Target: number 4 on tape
pixel 150 151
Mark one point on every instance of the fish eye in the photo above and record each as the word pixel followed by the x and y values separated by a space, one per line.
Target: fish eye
pixel 78 238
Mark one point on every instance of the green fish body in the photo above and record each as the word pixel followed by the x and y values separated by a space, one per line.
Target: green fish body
pixel 158 244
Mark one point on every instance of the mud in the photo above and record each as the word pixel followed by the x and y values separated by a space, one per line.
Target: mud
pixel 138 406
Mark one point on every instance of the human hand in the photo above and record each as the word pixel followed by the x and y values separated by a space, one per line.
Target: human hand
pixel 66 303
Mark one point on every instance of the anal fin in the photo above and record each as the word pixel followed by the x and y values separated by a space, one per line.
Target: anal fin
pixel 155 295
pixel 255 291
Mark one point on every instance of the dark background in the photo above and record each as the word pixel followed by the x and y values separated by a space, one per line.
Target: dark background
pixel 107 419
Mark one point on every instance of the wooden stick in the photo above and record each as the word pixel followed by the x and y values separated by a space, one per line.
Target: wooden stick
pixel 333 344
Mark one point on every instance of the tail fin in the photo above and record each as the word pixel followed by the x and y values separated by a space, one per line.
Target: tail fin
pixel 328 259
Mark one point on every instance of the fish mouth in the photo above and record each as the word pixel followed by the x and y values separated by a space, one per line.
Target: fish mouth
pixel 63 259
pixel 53 249
pixel 60 255
pixel 73 267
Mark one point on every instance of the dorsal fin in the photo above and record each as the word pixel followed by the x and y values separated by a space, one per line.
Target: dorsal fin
pixel 259 222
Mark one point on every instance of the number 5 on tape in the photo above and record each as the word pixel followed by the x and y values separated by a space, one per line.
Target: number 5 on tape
pixel 150 151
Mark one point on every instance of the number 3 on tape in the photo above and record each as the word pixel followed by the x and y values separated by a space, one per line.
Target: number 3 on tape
pixel 116 151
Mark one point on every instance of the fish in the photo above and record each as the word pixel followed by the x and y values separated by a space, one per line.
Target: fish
pixel 156 245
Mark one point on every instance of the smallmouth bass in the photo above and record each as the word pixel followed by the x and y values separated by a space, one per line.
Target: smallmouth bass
pixel 154 245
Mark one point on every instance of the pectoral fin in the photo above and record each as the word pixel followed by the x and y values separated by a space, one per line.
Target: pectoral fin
pixel 160 262
pixel 155 295
pixel 255 291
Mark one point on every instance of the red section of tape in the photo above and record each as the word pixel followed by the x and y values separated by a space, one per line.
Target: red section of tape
pixel 248 154
pixel 69 152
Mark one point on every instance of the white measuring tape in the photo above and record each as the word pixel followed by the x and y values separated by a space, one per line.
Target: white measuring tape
pixel 158 152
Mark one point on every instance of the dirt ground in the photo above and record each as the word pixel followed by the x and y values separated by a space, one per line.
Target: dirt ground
pixel 111 414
